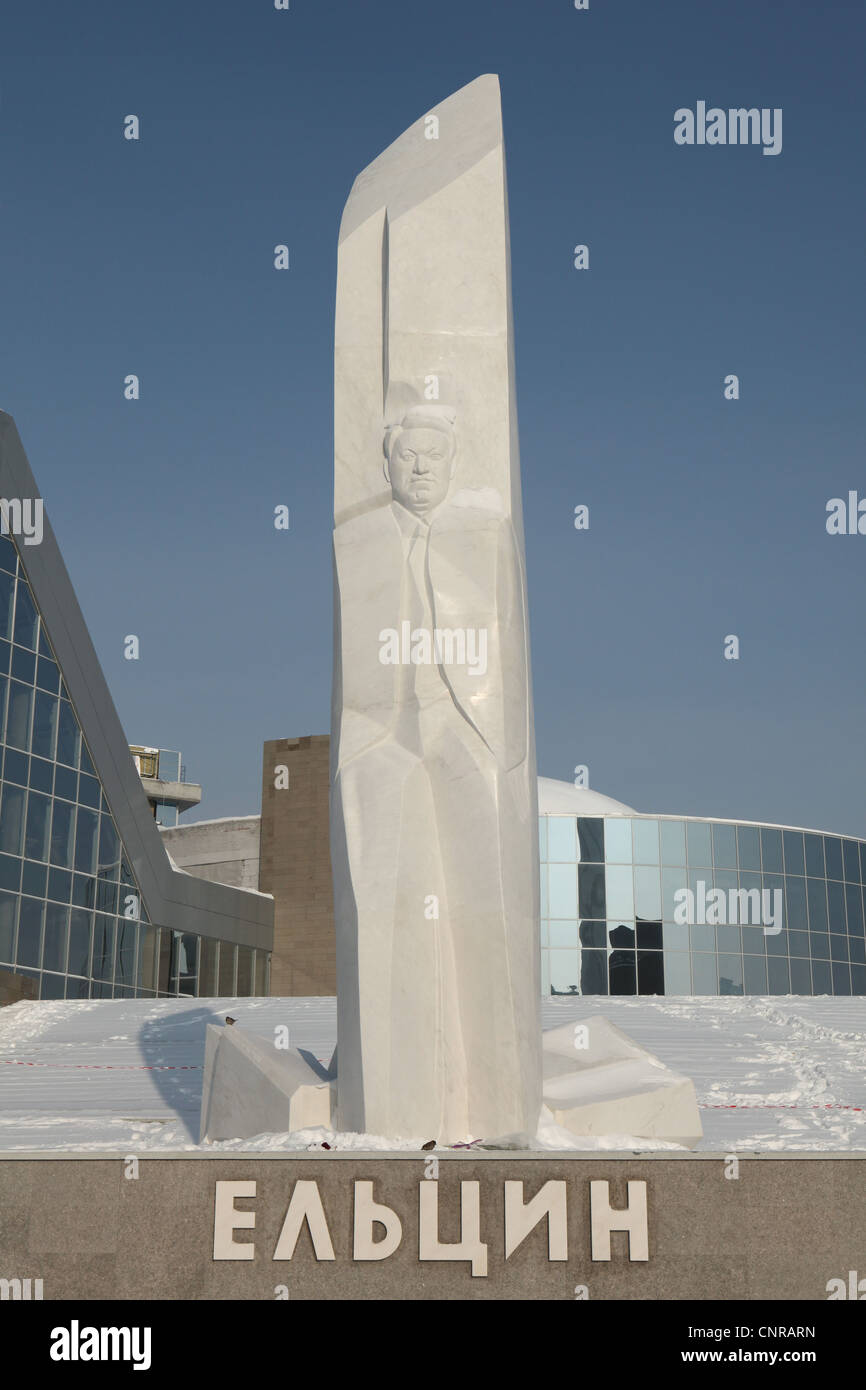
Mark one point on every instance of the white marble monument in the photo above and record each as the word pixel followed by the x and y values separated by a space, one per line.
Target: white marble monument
pixel 433 796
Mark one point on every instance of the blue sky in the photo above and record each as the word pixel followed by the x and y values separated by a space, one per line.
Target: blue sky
pixel 707 515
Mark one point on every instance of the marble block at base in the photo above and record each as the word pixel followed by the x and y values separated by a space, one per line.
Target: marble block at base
pixel 597 1081
pixel 250 1087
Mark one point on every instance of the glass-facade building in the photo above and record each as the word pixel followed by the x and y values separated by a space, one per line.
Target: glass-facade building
pixel 616 918
pixel 72 914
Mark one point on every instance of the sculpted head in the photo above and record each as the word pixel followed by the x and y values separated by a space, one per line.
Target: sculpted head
pixel 421 458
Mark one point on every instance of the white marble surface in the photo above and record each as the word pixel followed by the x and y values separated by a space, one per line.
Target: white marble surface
pixel 434 794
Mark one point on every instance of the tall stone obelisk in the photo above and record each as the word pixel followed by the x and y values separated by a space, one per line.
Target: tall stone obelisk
pixel 433 791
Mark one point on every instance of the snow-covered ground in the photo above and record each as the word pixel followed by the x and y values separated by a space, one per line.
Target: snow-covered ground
pixel 770 1073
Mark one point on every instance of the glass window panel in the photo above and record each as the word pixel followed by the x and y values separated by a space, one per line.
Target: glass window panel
pixel 7 598
pixel 841 978
pixel 593 934
pixel 622 972
pixel 673 881
pixel 33 878
pixel 18 721
pixel 754 975
pixel 619 893
pixel 863 862
pixel 705 974
pixel 41 775
pixel 725 846
pixel 38 826
pixel 730 974
pixel 729 939
pixel 262 972
pixel 649 937
pixel 795 895
pixel 617 840
pixel 698 836
pixel 726 879
pixel 778 975
pixel 816 890
pixel 23 666
pixel 836 906
pixel 8 554
pixel 753 941
pixel 30 932
pixel 645 835
pixel 815 856
pixel 857 949
pixel 68 737
pixel 12 819
pixel 542 839
pixel 189 964
pixel 795 861
pixel 593 972
pixel 25 616
pixel 104 934
pixel 650 972
pixel 245 967
pixel 833 856
pixel 8 918
pixel 65 783
pixel 59 885
pixel 10 872
pixel 56 937
pixel 858 979
pixel 702 937
pixel 673 841
pixel 109 848
pixel 590 835
pixel 85 841
pixel 47 675
pixel 84 891
pixel 544 926
pixel 838 947
pixel 851 860
pixel 62 831
pixel 561 935
pixel 562 887
pixel 647 894
pixel 819 945
pixel 106 898
pixel 801 977
pixel 86 764
pixel 80 923
pixel 127 952
pixel 854 904
pixel 564 971
pixel 621 936
pixel 226 969
pixel 675 937
pixel 4 691
pixel 771 850
pixel 52 987
pixel 88 791
pixel 207 969
pixel 678 974
pixel 798 944
pixel 821 978
pixel 542 882
pixel 591 898
pixel 561 840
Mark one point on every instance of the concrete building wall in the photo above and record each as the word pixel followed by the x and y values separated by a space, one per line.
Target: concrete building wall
pixel 222 851
pixel 296 865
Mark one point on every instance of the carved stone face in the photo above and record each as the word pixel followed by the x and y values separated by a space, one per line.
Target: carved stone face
pixel 420 468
